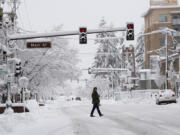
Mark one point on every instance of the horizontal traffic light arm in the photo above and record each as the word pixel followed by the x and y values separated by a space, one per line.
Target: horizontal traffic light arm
pixel 60 33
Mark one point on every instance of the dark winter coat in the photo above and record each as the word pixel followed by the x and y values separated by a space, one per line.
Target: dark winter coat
pixel 95 98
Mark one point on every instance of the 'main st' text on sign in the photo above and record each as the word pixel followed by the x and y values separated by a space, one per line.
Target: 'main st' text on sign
pixel 38 44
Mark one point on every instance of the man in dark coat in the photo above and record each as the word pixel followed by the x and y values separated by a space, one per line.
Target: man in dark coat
pixel 95 102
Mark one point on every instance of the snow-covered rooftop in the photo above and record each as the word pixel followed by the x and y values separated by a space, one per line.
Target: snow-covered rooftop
pixel 158 7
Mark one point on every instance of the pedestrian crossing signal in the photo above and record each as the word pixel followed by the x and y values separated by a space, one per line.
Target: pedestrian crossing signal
pixel 83 35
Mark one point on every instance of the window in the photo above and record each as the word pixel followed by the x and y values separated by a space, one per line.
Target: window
pixel 178 41
pixel 176 16
pixel 162 28
pixel 154 62
pixel 162 53
pixel 163 18
pixel 161 41
pixel 177 29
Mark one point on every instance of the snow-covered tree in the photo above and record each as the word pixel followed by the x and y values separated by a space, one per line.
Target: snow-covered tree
pixel 46 68
pixel 102 85
pixel 140 52
pixel 108 52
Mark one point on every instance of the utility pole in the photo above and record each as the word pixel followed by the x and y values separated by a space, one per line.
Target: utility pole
pixel 8 102
pixel 112 79
pixel 166 32
pixel 5 27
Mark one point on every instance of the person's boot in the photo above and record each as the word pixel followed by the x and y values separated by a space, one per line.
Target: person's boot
pixel 101 115
pixel 92 116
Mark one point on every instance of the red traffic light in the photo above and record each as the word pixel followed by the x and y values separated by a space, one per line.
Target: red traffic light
pixel 83 35
pixel 130 26
pixel 130 31
pixel 82 29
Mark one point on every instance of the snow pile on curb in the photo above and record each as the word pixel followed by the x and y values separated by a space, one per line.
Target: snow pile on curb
pixel 32 105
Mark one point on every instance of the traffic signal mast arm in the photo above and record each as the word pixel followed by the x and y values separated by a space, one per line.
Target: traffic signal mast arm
pixel 65 33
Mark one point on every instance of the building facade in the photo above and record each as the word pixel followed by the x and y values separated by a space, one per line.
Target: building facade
pixel 160 15
pixel 163 2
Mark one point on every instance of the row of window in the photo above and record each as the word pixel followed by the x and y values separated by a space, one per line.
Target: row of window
pixel 162 41
pixel 164 17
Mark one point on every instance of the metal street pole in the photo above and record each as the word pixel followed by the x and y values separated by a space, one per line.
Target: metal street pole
pixel 179 63
pixel 112 84
pixel 177 91
pixel 8 102
pixel 166 70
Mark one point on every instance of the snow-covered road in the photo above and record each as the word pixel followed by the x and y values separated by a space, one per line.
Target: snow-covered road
pixel 72 118
pixel 127 120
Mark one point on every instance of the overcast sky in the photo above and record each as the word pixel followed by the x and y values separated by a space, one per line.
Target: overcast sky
pixel 42 15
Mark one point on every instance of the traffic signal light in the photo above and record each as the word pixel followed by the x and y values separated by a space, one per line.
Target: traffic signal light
pixel 83 35
pixel 17 68
pixel 4 56
pixel 130 31
pixel 89 70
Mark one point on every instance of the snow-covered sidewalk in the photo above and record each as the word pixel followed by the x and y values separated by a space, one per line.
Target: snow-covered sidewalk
pixel 45 120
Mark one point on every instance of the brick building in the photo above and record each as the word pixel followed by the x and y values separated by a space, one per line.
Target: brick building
pixel 167 14
pixel 162 14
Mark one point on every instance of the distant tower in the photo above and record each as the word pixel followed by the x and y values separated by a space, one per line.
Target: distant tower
pixel 163 2
pixel 129 59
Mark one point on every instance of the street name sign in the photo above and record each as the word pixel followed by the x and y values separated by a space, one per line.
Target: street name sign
pixel 39 44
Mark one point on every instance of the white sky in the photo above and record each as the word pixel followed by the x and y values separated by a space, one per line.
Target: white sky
pixel 42 15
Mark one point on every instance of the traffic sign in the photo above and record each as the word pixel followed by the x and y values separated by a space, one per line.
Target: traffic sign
pixel 39 44
pixel 2 68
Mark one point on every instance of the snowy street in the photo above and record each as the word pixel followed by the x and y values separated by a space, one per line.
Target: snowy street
pixel 72 117
pixel 70 67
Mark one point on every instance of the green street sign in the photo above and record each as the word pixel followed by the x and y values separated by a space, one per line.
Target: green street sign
pixel 1 71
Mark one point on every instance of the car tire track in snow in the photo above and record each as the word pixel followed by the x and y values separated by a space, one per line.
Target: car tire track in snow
pixel 133 123
pixel 60 130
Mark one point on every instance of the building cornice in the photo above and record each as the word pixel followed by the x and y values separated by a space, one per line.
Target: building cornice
pixel 158 7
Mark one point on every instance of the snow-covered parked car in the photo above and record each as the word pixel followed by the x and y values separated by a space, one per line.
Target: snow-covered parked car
pixel 166 96
pixel 78 98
